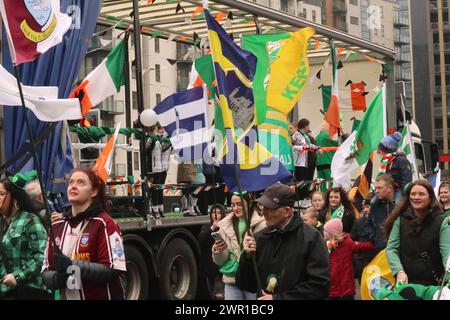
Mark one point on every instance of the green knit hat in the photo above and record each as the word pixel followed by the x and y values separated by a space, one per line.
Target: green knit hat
pixel 20 179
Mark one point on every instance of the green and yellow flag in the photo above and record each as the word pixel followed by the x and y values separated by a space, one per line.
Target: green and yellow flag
pixel 282 71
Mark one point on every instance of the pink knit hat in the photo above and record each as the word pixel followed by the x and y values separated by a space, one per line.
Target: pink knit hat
pixel 333 227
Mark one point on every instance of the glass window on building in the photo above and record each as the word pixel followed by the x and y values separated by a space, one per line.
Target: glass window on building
pixel 382 30
pixel 157 45
pixel 354 20
pixel 158 98
pixel 354 2
pixel 314 15
pixel 157 73
pixel 134 101
pixel 136 161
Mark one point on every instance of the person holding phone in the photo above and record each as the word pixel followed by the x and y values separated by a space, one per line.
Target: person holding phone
pixel 230 246
pixel 208 234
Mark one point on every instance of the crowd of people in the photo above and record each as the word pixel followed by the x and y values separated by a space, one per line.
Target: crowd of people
pixel 319 252
pixel 257 246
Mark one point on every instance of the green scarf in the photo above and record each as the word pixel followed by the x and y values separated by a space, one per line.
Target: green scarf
pixel 307 139
pixel 337 213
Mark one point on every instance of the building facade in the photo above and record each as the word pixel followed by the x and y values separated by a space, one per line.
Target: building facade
pixel 440 70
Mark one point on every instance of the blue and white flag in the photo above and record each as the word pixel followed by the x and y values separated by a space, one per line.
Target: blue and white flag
pixel 184 117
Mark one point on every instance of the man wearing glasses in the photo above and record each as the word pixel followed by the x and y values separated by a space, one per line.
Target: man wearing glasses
pixel 291 256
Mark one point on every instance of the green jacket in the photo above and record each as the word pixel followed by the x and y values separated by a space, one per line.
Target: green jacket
pixel 23 243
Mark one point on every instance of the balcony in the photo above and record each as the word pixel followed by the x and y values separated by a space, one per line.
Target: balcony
pixel 400 40
pixel 119 170
pixel 446 47
pixel 339 7
pixel 400 21
pixel 437 69
pixel 341 26
pixel 435 26
pixel 111 106
pixel 402 58
pixel 437 90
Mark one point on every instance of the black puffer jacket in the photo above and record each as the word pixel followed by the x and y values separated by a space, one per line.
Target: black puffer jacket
pixel 400 170
pixel 206 242
pixel 296 256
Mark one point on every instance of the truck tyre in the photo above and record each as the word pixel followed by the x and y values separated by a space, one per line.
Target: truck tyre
pixel 178 271
pixel 136 279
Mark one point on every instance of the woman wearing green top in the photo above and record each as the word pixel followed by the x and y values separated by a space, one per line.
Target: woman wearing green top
pixel 444 197
pixel 232 230
pixel 23 241
pixel 419 237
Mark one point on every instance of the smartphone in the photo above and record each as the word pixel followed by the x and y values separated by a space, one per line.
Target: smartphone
pixel 216 236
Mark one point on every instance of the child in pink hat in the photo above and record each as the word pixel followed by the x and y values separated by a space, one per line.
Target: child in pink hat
pixel 341 248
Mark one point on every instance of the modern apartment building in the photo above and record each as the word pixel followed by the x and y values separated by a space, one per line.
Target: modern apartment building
pixel 440 70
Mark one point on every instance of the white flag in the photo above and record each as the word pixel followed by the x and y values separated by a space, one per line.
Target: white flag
pixel 42 101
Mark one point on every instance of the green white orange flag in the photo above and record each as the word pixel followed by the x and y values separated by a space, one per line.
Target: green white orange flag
pixel 332 115
pixel 103 164
pixel 356 149
pixel 407 147
pixel 103 81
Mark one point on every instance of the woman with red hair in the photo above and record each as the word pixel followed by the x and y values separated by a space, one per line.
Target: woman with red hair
pixel 89 241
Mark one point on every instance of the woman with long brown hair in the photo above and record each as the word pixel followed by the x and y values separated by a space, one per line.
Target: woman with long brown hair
pixel 338 206
pixel 88 240
pixel 232 231
pixel 419 237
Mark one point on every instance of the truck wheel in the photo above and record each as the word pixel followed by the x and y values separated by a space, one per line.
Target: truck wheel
pixel 178 272
pixel 135 281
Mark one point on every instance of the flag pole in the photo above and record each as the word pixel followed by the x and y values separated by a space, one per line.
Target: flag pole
pixel 140 106
pixel 36 159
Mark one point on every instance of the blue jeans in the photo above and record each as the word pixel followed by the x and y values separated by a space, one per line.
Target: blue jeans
pixel 232 292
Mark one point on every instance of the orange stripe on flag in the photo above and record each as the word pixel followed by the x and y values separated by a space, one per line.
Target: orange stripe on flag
pixel 197 11
pixel 85 102
pixel 250 22
pixel 332 116
pixel 369 58
pixel 183 38
pixel 101 164
pixel 340 50
pixel 316 44
pixel 198 82
pixel 220 16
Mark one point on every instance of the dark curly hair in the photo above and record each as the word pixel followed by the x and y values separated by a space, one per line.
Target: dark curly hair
pixel 344 198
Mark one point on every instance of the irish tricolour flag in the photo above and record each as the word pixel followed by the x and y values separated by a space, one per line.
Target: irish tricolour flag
pixel 103 81
pixel 356 149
